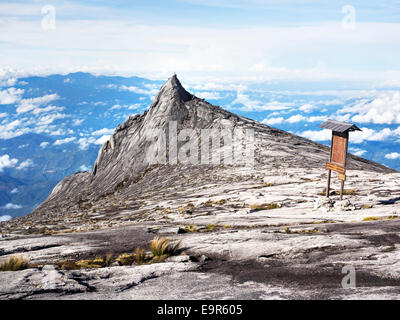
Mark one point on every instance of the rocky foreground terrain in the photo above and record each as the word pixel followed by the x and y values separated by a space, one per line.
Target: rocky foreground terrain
pixel 247 232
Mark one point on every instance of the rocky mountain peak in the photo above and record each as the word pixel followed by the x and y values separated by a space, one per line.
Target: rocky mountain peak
pixel 169 104
pixel 174 87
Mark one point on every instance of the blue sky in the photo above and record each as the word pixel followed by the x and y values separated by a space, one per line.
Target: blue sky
pixel 256 40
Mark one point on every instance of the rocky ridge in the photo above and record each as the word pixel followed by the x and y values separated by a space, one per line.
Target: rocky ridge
pixel 123 174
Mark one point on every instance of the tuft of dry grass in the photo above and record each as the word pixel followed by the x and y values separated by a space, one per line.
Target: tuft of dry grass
pixel 287 230
pixel 15 263
pixel 191 228
pixel 267 206
pixel 126 259
pixel 68 265
pixel 380 218
pixel 367 206
pixel 162 248
pixel 208 203
pixel 140 256
pixel 108 259
pixel 220 202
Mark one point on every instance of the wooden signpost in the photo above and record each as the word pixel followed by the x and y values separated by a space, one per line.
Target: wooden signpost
pixel 338 151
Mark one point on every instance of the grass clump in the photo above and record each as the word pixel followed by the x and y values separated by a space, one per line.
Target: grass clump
pixel 208 203
pixel 15 263
pixel 220 202
pixel 126 259
pixel 367 206
pixel 287 230
pixel 323 221
pixel 97 262
pixel 162 248
pixel 191 228
pixel 90 264
pixel 190 205
pixel 267 206
pixel 140 256
pixel 380 218
pixel 68 265
pixel 108 259
pixel 209 228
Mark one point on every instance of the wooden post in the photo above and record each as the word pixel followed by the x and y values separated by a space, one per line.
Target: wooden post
pixel 341 189
pixel 328 184
pixel 345 160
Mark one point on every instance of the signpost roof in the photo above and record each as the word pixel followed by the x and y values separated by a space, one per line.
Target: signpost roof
pixel 339 126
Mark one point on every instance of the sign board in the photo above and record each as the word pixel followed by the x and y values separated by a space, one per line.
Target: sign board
pixel 338 151
pixel 339 148
pixel 335 167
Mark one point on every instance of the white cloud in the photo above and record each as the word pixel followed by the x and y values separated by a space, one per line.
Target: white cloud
pixel 103 132
pixel 209 95
pixel 7 162
pixel 256 105
pixel 3 115
pixel 10 95
pixel 77 122
pixel 5 218
pixel 44 144
pixel 50 118
pixel 47 109
pixel 221 86
pixel 64 141
pixel 159 50
pixel 366 134
pixel 30 104
pixel 103 139
pixel 84 142
pixel 294 119
pixel 357 151
pixel 317 118
pixel 84 168
pixel 272 121
pixel 28 163
pixel 9 130
pixel 384 108
pixel 149 92
pixel 8 82
pixel 322 135
pixel 126 106
pixel 14 191
pixel 307 108
pixel 392 156
pixel 11 206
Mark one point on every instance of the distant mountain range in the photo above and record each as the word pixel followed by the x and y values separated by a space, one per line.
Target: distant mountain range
pixel 54 127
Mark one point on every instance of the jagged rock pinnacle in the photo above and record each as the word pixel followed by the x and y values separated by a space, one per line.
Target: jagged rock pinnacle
pixel 173 87
pixel 169 104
